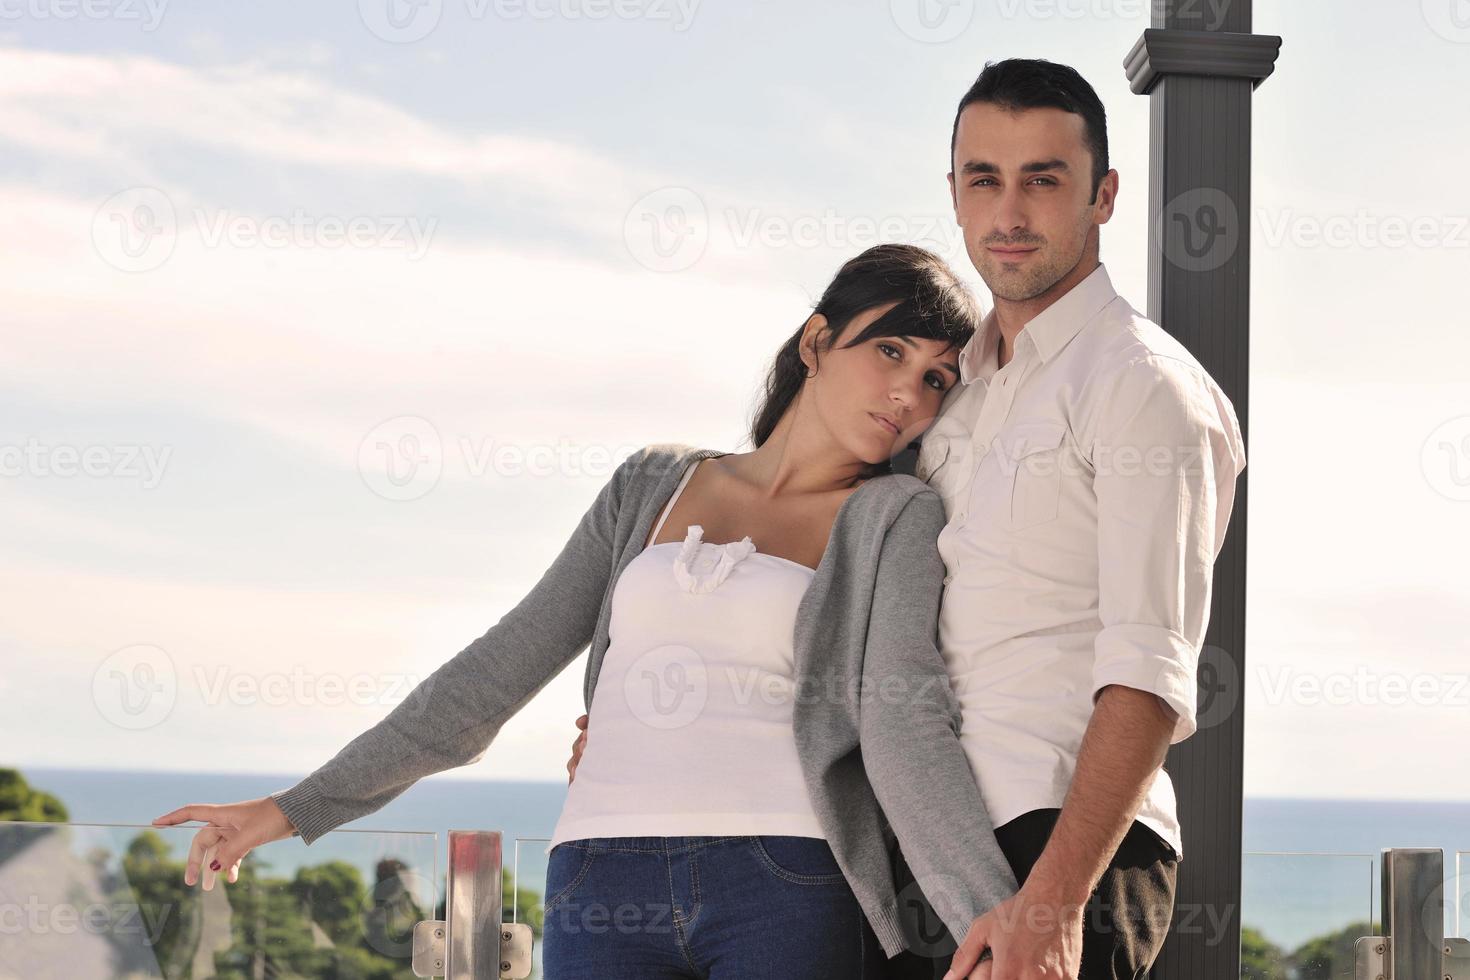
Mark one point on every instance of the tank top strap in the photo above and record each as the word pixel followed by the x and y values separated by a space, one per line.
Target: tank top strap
pixel 668 507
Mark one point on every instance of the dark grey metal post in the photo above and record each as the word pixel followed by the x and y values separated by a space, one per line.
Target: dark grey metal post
pixel 1199 65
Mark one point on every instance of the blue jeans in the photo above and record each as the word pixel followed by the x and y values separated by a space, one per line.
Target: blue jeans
pixel 711 908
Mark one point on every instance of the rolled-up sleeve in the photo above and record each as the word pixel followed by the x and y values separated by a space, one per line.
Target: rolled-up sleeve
pixel 1166 451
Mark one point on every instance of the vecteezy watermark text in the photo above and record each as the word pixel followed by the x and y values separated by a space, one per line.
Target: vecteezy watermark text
pixel 40 460
pixel 137 229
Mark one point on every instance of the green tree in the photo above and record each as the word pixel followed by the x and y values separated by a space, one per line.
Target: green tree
pixel 270 935
pixel 1260 959
pixel 161 906
pixel 332 894
pixel 321 923
pixel 1331 956
pixel 389 915
pixel 20 801
pixel 525 900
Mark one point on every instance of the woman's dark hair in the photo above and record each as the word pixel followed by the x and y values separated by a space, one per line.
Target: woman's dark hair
pixel 1027 83
pixel 933 304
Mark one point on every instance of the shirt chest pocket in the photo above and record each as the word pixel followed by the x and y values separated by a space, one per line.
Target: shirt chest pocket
pixel 946 464
pixel 932 453
pixel 1036 452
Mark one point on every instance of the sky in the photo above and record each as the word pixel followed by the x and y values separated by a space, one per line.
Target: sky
pixel 322 324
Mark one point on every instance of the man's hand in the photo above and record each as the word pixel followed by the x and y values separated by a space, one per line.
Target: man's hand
pixel 1031 937
pixel 1037 933
pixel 577 748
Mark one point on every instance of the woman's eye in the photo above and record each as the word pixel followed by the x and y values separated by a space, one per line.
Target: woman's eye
pixel 935 381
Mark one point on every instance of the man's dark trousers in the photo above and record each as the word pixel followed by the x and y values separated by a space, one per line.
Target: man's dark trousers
pixel 1127 915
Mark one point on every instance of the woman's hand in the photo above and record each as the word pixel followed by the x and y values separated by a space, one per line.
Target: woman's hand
pixel 577 748
pixel 232 830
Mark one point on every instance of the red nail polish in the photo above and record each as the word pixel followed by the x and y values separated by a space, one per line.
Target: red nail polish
pixel 213 865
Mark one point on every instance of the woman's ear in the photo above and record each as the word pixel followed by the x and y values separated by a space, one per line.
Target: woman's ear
pixel 810 333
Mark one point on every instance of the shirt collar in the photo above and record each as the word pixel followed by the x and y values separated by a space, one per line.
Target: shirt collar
pixel 1049 331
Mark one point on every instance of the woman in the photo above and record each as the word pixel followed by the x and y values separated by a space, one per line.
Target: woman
pixel 772 714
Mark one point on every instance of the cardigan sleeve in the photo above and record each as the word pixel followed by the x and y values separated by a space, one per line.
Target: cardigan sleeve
pixel 909 721
pixel 449 719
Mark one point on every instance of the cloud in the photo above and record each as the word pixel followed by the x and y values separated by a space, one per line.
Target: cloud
pixel 364 333
pixel 119 110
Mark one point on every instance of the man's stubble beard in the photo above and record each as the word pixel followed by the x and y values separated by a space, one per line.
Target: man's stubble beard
pixel 1042 273
pixel 1027 283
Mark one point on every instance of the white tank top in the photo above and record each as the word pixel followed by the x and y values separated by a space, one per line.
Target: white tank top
pixel 690 728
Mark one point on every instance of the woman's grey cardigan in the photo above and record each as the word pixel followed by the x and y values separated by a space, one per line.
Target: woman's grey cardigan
pixel 876 721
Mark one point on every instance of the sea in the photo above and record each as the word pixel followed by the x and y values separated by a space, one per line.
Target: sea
pixel 1309 868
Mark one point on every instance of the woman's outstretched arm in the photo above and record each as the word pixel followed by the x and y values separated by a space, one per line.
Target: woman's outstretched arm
pixel 449 719
pixel 909 725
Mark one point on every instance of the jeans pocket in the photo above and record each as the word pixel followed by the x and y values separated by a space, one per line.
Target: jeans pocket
pixel 801 860
pixel 566 868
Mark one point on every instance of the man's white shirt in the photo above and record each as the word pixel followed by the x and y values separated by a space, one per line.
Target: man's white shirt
pixel 1088 486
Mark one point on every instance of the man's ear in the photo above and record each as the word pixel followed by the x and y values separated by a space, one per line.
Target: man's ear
pixel 954 202
pixel 1107 197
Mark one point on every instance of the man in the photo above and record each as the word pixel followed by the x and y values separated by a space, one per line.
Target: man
pixel 1088 466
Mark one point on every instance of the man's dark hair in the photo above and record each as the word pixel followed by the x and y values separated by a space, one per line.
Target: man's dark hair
pixel 1031 83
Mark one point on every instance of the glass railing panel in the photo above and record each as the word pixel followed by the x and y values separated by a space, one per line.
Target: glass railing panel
pixel 1457 896
pixel 1301 913
pixel 108 902
pixel 528 880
